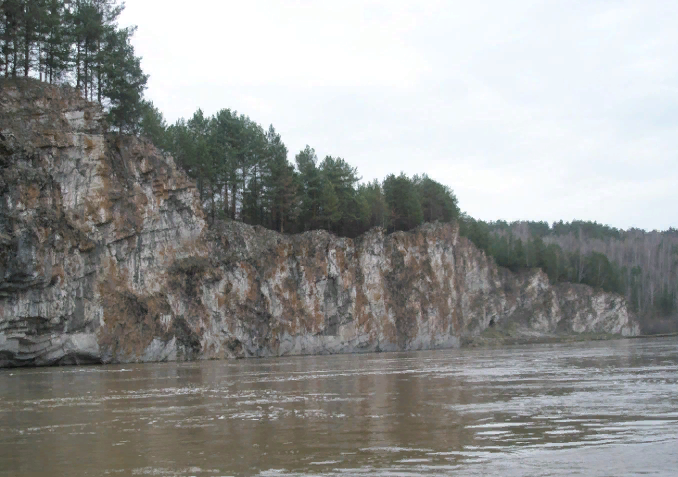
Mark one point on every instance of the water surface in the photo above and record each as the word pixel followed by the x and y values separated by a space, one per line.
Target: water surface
pixel 590 409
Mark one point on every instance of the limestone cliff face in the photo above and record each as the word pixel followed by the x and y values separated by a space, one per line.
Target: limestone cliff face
pixel 89 224
pixel 105 257
pixel 424 289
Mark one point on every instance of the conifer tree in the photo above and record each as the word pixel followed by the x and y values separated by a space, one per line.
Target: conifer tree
pixel 32 15
pixel 123 81
pixel 108 12
pixel 153 125
pixel 56 44
pixel 343 178
pixel 371 196
pixel 437 201
pixel 87 29
pixel 403 202
pixel 12 12
pixel 281 185
pixel 310 190
pixel 330 212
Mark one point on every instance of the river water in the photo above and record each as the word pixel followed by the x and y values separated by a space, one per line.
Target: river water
pixel 590 409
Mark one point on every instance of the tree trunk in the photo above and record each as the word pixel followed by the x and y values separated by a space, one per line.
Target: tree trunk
pixel 15 60
pixel 77 66
pixel 99 73
pixel 86 67
pixel 225 192
pixel 234 191
pixel 255 193
pixel 214 208
pixel 40 61
pixel 27 53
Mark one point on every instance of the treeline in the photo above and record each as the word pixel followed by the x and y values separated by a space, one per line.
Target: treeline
pixel 517 251
pixel 243 173
pixel 76 42
pixel 641 265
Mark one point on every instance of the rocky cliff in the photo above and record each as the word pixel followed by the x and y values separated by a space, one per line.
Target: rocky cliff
pixel 105 256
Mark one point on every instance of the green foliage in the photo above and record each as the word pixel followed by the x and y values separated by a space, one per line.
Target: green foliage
pixel 330 212
pixel 510 251
pixel 605 274
pixel 242 173
pixel 311 187
pixel 538 229
pixel 580 228
pixel 57 48
pixel 475 230
pixel 281 184
pixel 53 40
pixel 404 204
pixel 666 302
pixel 339 179
pixel 438 202
pixel 372 205
pixel 123 82
pixel 153 125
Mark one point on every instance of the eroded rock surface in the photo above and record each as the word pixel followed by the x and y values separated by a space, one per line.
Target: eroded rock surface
pixel 105 257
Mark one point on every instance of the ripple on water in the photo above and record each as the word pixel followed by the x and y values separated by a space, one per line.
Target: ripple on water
pixel 593 409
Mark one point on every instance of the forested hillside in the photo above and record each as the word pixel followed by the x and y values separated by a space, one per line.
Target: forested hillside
pixel 641 265
pixel 76 42
pixel 243 171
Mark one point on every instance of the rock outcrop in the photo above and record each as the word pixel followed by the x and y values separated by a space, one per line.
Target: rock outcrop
pixel 105 256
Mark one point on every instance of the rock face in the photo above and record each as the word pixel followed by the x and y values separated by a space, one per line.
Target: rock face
pixel 105 257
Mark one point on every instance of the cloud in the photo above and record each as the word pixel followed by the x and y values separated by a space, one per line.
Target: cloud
pixel 527 109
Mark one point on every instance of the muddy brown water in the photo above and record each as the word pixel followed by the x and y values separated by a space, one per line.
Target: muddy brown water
pixel 590 409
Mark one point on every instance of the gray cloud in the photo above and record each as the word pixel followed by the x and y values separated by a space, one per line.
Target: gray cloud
pixel 527 109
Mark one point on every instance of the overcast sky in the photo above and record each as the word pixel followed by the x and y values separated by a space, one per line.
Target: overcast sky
pixel 539 110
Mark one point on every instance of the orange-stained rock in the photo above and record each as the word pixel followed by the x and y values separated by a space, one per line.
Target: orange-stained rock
pixel 105 257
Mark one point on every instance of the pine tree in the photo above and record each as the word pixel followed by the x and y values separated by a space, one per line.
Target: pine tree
pixel 281 184
pixel 153 125
pixel 311 184
pixel 437 201
pixel 403 202
pixel 108 12
pixel 123 81
pixel 343 178
pixel 30 27
pixel 371 196
pixel 88 28
pixel 254 167
pixel 12 13
pixel 330 212
pixel 56 44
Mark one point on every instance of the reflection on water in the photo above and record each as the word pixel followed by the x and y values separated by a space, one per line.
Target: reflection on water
pixel 583 409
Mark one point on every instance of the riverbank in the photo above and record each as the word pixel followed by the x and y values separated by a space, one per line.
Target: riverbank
pixel 513 335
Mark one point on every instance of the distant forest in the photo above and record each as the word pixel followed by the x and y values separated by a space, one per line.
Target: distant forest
pixel 642 266
pixel 243 171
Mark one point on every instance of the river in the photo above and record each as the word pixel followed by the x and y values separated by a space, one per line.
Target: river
pixel 591 409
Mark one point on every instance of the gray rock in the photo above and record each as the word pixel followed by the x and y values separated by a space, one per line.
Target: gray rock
pixel 105 257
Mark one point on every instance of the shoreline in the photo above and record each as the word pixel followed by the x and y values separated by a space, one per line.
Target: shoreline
pixel 487 339
pixel 497 338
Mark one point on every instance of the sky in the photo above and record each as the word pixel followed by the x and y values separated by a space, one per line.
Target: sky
pixel 528 109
